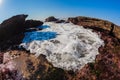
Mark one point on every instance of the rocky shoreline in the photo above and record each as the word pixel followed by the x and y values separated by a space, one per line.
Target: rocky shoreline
pixel 105 67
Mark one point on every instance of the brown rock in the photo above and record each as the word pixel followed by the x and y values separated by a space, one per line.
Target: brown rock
pixel 106 66
pixel 51 19
pixel 32 68
pixel 1 58
pixel 12 26
pixel 94 22
pixel 32 23
pixel 60 21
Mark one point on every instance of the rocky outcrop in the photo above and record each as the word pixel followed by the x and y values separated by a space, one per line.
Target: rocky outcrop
pixel 107 64
pixel 32 23
pixel 94 22
pixel 21 65
pixel 16 25
pixel 51 19
pixel 12 26
pixel 12 43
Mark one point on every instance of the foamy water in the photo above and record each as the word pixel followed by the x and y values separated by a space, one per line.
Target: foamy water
pixel 72 48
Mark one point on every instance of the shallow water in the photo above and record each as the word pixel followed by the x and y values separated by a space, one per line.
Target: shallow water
pixel 38 36
pixel 43 27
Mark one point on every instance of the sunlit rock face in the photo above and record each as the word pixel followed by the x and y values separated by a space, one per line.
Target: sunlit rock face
pixel 65 45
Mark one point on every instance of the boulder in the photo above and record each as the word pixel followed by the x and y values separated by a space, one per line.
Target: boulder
pixel 51 19
pixel 12 26
pixel 15 25
pixel 32 23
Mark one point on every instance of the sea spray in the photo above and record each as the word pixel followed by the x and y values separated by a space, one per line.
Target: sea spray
pixel 72 47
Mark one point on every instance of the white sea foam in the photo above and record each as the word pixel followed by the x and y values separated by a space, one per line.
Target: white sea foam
pixel 73 47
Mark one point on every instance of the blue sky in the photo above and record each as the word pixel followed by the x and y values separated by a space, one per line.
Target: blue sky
pixel 40 9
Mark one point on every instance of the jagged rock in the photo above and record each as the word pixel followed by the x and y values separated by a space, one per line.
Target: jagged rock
pixel 32 23
pixel 12 26
pixel 94 22
pixel 51 19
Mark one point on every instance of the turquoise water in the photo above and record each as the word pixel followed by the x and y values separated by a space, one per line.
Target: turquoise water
pixel 40 36
pixel 43 27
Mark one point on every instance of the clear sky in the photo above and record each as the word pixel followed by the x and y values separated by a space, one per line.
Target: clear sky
pixel 40 9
